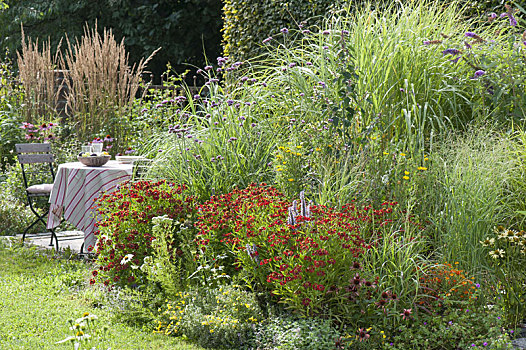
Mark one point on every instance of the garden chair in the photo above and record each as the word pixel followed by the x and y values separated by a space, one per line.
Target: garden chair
pixel 36 162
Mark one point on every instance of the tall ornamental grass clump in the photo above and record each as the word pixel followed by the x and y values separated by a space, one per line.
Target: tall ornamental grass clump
pixel 472 177
pixel 218 142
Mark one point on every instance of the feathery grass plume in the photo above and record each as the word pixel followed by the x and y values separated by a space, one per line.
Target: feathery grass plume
pixel 37 71
pixel 101 84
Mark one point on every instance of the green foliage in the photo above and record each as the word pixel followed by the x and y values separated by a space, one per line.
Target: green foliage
pixel 222 318
pixel 290 333
pixel 247 23
pixel 145 26
pixel 507 250
pixel 474 326
pixel 220 142
pixel 173 259
pixel 10 120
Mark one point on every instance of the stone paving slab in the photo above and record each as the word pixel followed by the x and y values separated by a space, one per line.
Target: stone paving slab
pixel 71 239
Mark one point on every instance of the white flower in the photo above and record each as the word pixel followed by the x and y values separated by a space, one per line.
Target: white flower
pixel 487 242
pixel 497 253
pixel 134 267
pixel 126 259
pixel 505 234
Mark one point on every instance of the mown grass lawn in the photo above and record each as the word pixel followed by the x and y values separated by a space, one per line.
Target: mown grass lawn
pixel 40 293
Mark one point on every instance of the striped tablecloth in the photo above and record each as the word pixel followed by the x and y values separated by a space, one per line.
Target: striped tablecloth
pixel 74 190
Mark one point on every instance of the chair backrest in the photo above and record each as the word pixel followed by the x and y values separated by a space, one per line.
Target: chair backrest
pixel 36 162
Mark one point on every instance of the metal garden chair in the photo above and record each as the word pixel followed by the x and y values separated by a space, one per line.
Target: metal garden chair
pixel 36 162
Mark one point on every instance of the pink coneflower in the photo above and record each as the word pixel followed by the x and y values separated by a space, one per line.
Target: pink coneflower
pixel 406 314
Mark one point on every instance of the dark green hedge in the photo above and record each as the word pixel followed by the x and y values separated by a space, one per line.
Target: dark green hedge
pixel 248 22
pixel 181 27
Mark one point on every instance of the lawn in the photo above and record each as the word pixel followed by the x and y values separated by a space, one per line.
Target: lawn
pixel 39 293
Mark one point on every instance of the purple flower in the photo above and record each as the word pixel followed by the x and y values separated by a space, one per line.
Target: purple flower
pixel 325 47
pixel 468 46
pixel 222 60
pixel 492 15
pixel 322 84
pixel 473 344
pixel 485 343
pixel 451 52
pixel 479 73
pixel 267 40
pixel 472 35
pixel 455 60
pixel 243 79
pixel 450 323
pixel 292 65
pixel 129 151
pixel 477 285
pixel 345 32
pixel 208 67
pixel 308 63
pixel 306 31
pixel 284 30
pixel 427 42
pixel 326 32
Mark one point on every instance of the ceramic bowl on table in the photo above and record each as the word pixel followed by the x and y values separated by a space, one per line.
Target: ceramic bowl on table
pixel 94 160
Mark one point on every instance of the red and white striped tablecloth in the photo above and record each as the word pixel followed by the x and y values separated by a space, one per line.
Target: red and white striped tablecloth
pixel 75 188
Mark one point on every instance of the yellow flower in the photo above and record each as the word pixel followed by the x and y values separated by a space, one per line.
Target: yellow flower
pixel 402 154
pixel 386 153
pixel 406 177
pixel 291 180
pixel 406 172
pixel 422 168
pixel 318 149
pixel 211 331
pixel 299 147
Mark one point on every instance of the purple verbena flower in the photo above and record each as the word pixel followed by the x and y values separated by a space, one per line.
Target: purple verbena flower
pixel 267 40
pixel 451 52
pixel 471 35
pixel 284 30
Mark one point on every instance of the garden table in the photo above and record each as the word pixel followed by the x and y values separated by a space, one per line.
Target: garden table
pixel 76 187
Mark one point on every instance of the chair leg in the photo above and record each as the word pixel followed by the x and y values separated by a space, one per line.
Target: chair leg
pixel 29 228
pixel 41 219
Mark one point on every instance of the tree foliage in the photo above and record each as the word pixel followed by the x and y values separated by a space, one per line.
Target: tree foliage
pixel 183 28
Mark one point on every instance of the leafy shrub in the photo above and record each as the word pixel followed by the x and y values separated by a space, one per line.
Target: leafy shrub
pixel 455 328
pixel 290 333
pixel 223 318
pixel 173 256
pixel 311 260
pixel 10 101
pixel 125 228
